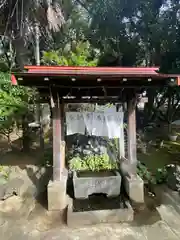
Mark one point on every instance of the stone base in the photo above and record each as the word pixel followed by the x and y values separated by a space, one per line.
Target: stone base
pixel 134 187
pixel 57 197
pixel 76 219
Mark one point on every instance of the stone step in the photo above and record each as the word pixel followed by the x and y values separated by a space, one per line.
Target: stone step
pixel 169 208
pixel 170 217
pixel 171 198
pixel 91 217
pixel 160 230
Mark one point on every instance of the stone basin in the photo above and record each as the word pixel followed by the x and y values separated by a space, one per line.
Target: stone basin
pixel 87 183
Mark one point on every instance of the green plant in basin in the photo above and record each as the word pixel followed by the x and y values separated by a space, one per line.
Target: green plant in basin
pixel 92 163
pixel 76 163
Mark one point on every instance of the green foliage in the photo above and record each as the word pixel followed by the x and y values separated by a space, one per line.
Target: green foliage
pixel 170 97
pixel 145 174
pixel 171 62
pixel 47 159
pixel 54 58
pixel 4 174
pixel 134 32
pixel 13 104
pixel 78 55
pixel 76 163
pixel 159 177
pixel 92 162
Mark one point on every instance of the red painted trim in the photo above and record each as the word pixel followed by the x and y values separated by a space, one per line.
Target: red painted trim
pixel 92 69
pixel 178 80
pixel 98 71
pixel 13 80
pixel 79 67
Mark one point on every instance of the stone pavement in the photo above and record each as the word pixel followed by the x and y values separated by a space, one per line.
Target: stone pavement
pixel 160 230
pixel 33 222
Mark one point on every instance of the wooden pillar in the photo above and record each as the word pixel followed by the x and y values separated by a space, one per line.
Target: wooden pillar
pixel 62 120
pixel 131 130
pixel 41 128
pixel 58 141
pixel 56 119
pixel 62 137
pixel 122 139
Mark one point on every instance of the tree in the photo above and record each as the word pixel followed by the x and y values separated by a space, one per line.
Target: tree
pixel 14 108
pixel 78 54
pixel 132 33
pixel 18 20
pixel 109 30
pixel 138 33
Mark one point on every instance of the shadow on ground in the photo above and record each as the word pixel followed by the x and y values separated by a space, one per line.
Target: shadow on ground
pixel 27 165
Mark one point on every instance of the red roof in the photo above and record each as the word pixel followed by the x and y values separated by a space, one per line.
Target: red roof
pixel 106 72
pixel 93 70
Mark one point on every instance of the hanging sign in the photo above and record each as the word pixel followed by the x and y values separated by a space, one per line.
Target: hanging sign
pixel 75 123
pixel 88 120
pixel 114 122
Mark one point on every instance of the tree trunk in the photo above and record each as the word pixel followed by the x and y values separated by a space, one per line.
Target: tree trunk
pixel 21 52
pixel 169 118
pixel 41 132
pixel 151 93
pixel 26 135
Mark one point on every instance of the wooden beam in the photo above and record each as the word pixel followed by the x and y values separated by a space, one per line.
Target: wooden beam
pixel 84 81
pixel 80 100
pixel 85 92
pixel 131 128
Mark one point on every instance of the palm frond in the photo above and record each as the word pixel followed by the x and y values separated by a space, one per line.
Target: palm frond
pixel 55 17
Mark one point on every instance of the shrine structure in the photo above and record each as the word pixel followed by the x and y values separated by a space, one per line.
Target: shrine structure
pixel 62 85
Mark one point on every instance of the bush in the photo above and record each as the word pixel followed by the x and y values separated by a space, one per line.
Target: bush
pixel 92 162
pixel 48 158
pixel 4 174
pixel 145 174
pixel 159 177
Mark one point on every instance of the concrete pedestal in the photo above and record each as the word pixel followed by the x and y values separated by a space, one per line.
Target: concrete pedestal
pixel 134 187
pixel 57 197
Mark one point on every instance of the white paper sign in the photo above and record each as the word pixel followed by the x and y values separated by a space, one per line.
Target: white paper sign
pixel 114 124
pixel 74 123
pixel 97 124
pixel 88 120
